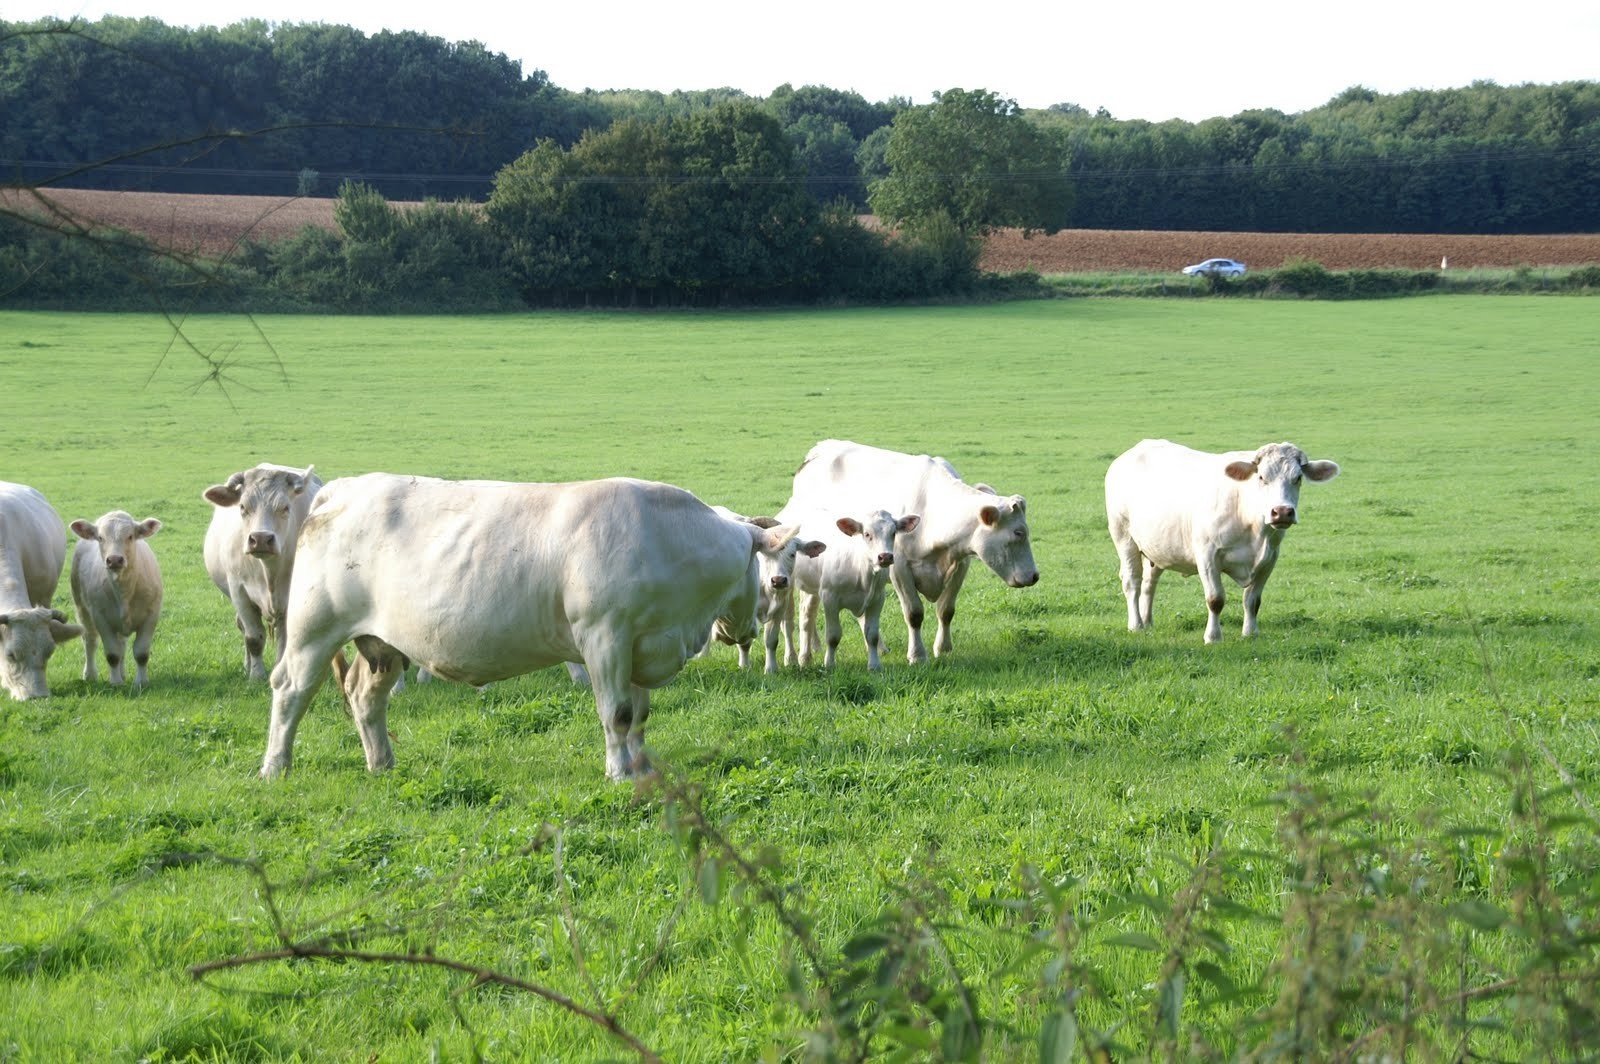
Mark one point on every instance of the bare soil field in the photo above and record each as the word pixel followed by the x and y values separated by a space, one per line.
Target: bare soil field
pixel 213 224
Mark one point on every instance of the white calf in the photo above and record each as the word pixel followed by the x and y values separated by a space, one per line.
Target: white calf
pixel 1171 507
pixel 116 584
pixel 774 603
pixel 853 576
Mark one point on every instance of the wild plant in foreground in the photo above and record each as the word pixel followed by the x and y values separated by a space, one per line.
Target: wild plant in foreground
pixel 1394 940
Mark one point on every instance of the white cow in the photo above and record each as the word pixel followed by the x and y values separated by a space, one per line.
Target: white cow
pixel 774 601
pixel 482 580
pixel 116 584
pixel 33 546
pixel 853 576
pixel 250 548
pixel 1171 507
pixel 959 522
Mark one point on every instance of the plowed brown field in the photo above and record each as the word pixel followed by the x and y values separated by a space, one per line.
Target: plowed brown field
pixel 212 224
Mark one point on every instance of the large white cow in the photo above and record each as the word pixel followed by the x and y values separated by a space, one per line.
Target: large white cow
pixel 960 521
pixel 774 602
pixel 250 548
pixel 482 580
pixel 33 545
pixel 116 584
pixel 1172 507
pixel 853 577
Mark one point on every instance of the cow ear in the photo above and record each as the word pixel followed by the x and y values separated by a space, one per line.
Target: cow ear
pixel 986 489
pixel 908 523
pixel 225 494
pixel 1240 470
pixel 85 530
pixel 61 631
pixel 1019 504
pixel 849 526
pixel 303 481
pixel 989 515
pixel 772 540
pixel 812 548
pixel 1322 469
pixel 763 522
pixel 148 527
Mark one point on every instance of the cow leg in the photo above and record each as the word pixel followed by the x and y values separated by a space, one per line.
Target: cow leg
pixel 116 649
pixel 808 627
pixel 639 763
pixel 744 654
pixel 609 659
pixel 1147 594
pixel 141 654
pixel 372 677
pixel 1211 581
pixel 869 633
pixel 91 667
pixel 769 636
pixel 833 631
pixel 905 590
pixel 1131 566
pixel 247 615
pixel 295 680
pixel 946 607
pixel 280 629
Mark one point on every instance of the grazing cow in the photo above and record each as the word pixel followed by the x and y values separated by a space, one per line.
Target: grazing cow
pixel 1170 507
pixel 33 545
pixel 959 521
pixel 481 580
pixel 853 576
pixel 250 549
pixel 116 584
pixel 773 602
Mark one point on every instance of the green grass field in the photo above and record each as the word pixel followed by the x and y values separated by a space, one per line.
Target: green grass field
pixel 1436 609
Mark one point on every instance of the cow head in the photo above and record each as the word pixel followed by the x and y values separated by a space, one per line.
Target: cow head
pixel 1001 538
pixel 269 500
pixel 116 533
pixel 878 532
pixel 1270 482
pixel 27 639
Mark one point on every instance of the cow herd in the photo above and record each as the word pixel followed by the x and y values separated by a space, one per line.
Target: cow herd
pixel 477 581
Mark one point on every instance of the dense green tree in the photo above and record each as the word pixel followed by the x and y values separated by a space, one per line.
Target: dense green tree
pixel 973 158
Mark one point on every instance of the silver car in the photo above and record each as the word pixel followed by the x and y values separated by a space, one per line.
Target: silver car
pixel 1216 268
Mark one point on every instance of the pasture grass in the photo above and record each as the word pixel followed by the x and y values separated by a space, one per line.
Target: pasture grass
pixel 1433 615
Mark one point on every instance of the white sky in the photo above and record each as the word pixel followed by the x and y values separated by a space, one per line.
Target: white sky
pixel 1152 59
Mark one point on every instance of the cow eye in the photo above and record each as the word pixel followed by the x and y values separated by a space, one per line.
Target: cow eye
pixel 1021 533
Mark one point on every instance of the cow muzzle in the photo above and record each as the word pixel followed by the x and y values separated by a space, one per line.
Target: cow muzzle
pixel 885 560
pixel 1282 517
pixel 780 582
pixel 1025 580
pixel 116 562
pixel 261 544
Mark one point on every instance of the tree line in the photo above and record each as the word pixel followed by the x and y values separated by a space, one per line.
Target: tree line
pixel 257 107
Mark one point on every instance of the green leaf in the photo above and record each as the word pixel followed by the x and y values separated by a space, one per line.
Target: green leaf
pixel 1058 1038
pixel 1135 940
pixel 1172 1003
pixel 914 1037
pixel 710 881
pixel 1479 914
